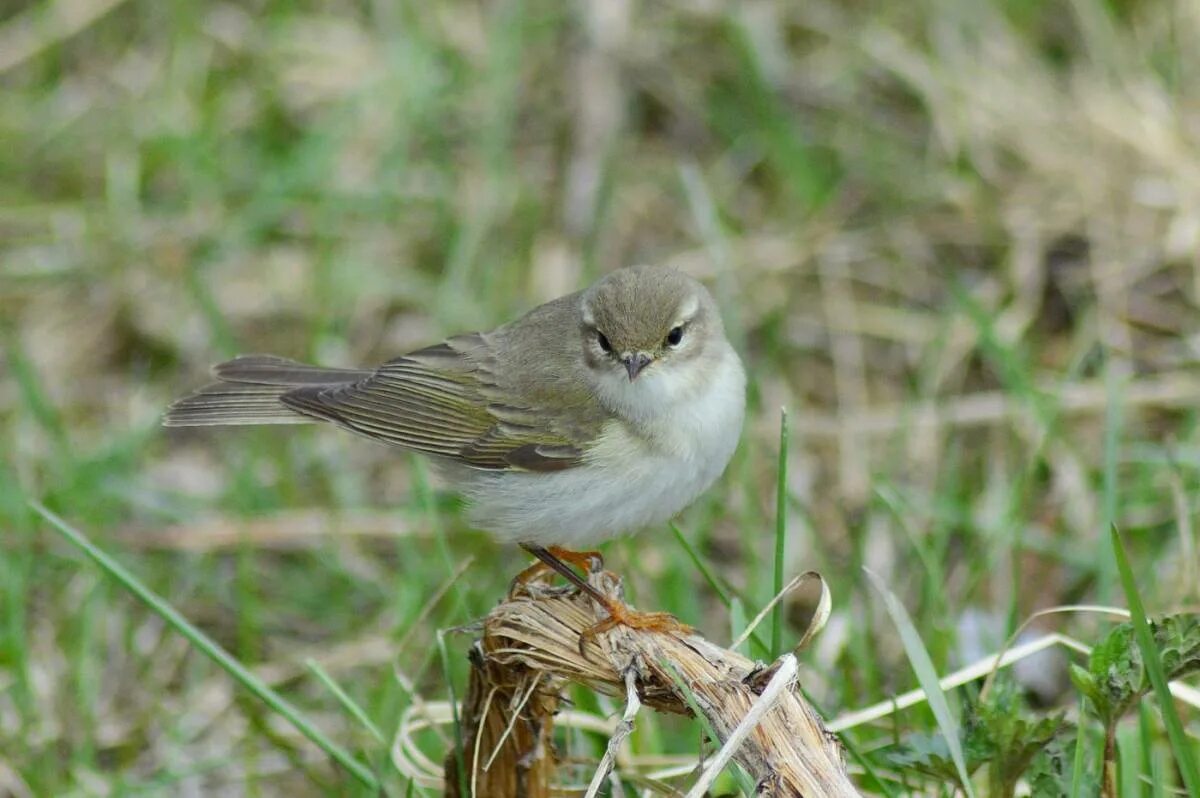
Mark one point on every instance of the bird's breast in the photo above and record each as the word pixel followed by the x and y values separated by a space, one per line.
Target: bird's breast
pixel 634 475
pixel 670 459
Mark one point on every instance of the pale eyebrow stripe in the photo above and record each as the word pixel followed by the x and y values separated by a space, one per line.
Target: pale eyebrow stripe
pixel 687 311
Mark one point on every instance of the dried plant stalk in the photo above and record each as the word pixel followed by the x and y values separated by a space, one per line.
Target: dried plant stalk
pixel 530 645
pixel 507 718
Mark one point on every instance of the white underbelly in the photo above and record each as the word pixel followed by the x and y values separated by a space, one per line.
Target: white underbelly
pixel 582 507
pixel 628 482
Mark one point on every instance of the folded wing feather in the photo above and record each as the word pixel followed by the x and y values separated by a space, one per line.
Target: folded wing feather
pixel 439 401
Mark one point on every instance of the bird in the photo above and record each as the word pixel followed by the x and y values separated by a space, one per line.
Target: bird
pixel 596 414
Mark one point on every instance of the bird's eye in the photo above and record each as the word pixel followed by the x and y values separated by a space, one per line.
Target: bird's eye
pixel 675 336
pixel 604 344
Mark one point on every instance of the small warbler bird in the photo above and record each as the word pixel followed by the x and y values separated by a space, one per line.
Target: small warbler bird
pixel 595 414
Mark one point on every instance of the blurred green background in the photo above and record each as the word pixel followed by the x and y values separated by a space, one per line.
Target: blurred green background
pixel 959 242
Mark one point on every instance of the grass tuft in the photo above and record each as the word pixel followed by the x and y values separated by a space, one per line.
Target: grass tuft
pixel 210 648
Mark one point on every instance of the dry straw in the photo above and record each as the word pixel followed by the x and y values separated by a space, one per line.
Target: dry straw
pixel 530 651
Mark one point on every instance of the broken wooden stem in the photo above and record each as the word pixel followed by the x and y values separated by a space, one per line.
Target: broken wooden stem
pixel 529 652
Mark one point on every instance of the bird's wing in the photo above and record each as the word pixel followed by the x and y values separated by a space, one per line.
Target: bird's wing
pixel 445 400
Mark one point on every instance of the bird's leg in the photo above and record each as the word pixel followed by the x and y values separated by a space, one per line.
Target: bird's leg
pixel 552 559
pixel 586 561
pixel 618 613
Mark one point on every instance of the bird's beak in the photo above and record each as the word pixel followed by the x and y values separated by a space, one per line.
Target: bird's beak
pixel 634 363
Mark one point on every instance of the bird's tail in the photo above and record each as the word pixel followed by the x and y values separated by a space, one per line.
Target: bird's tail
pixel 248 391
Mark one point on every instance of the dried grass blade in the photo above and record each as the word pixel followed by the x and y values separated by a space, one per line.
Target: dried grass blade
pixel 785 674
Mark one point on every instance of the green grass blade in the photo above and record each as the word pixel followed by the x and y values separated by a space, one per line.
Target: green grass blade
pixel 704 570
pixel 927 676
pixel 31 391
pixel 689 697
pixel 1105 571
pixel 1145 748
pixel 737 624
pixel 868 768
pixel 210 648
pixel 348 703
pixel 726 597
pixel 1184 755
pixel 780 533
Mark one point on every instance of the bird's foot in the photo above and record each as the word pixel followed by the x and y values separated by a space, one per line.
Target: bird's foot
pixel 556 559
pixel 620 614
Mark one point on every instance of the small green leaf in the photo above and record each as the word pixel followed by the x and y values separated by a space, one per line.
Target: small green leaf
pixel 928 754
pixel 1082 679
pixel 1050 772
pixel 1116 678
pixel 1011 735
pixel 998 732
